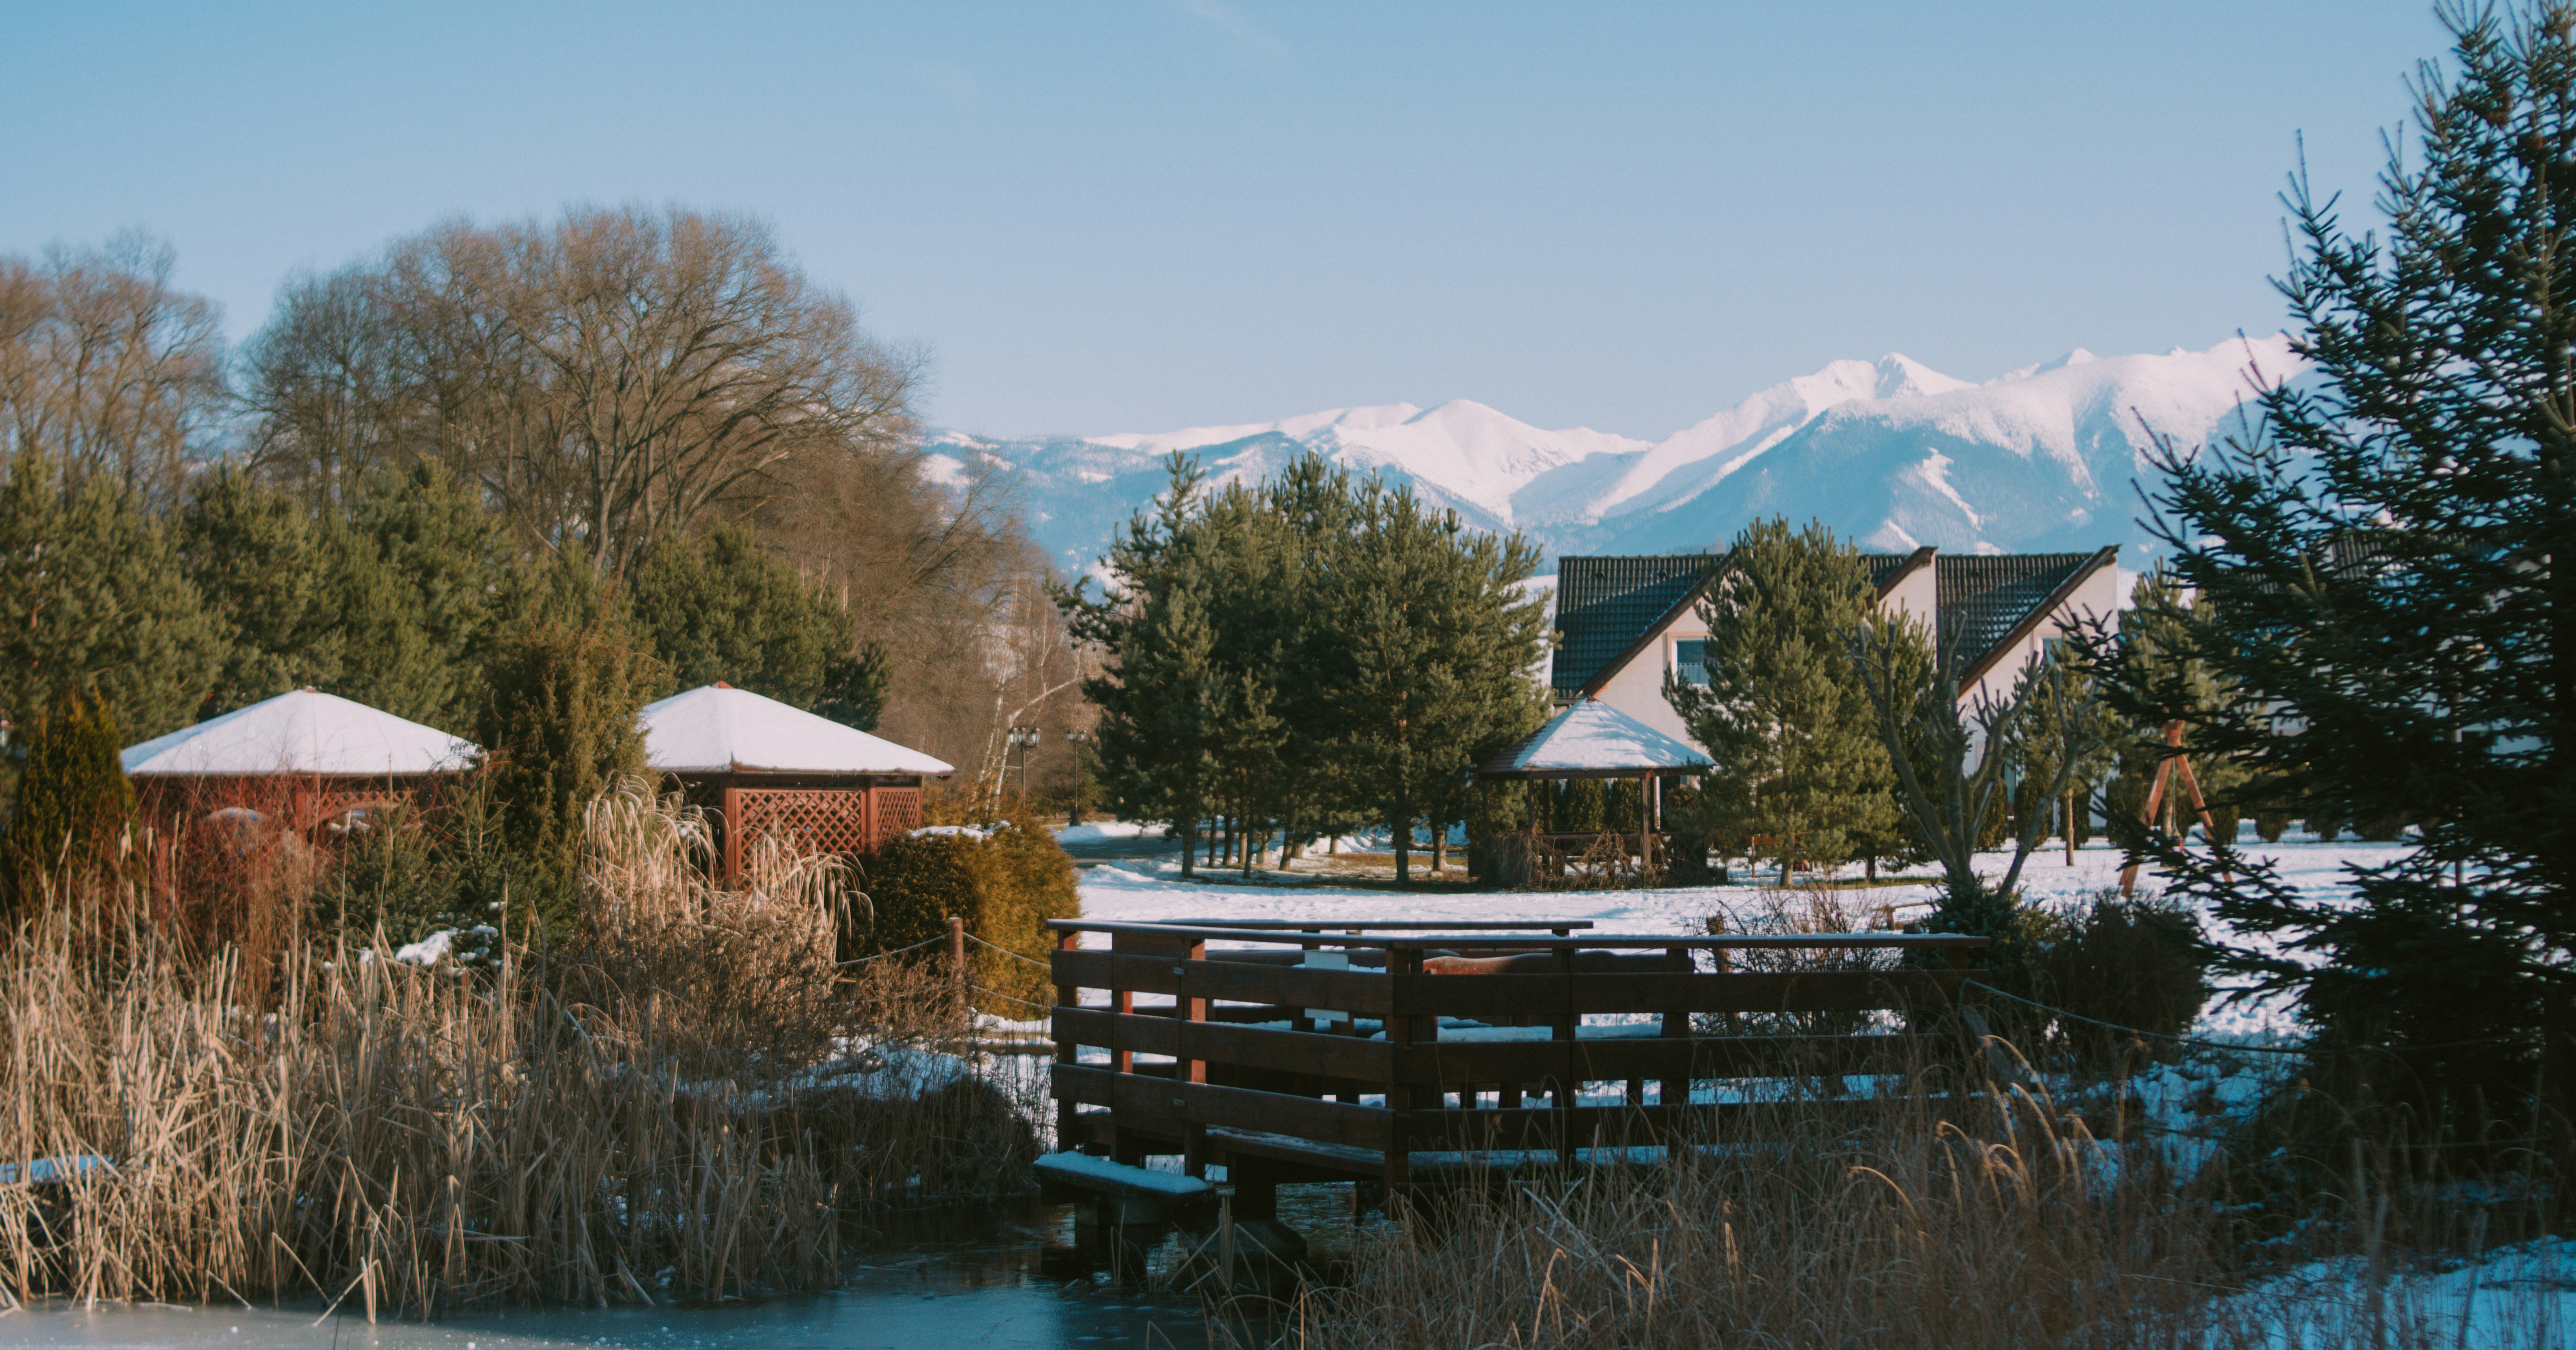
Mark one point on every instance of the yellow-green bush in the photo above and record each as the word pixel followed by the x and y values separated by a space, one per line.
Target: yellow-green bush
pixel 1005 882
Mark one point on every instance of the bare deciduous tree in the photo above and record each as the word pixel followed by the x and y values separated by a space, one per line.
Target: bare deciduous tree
pixel 106 367
pixel 609 378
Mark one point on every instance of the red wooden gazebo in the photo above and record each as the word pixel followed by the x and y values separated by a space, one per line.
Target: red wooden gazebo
pixel 764 769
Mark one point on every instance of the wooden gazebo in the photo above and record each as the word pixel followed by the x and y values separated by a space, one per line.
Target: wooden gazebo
pixel 1594 740
pixel 301 761
pixel 764 769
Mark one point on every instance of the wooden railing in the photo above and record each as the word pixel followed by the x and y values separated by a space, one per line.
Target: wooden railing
pixel 1310 1050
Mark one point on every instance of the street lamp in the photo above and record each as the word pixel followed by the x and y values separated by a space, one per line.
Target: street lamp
pixel 1022 738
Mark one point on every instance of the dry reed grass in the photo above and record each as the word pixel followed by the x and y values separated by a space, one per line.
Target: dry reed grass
pixel 1997 1221
pixel 684 1107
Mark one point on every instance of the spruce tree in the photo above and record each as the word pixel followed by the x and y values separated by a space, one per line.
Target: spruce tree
pixel 564 690
pixel 421 588
pixel 1798 755
pixel 2383 571
pixel 71 819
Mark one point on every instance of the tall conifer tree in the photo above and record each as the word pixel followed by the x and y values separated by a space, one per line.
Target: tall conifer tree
pixel 2386 570
pixel 1799 758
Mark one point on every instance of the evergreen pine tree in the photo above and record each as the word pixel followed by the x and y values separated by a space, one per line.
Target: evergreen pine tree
pixel 560 724
pixel 1437 644
pixel 71 820
pixel 259 563
pixel 2383 571
pixel 1163 698
pixel 1799 759
pixel 421 587
pixel 719 607
pixel 93 596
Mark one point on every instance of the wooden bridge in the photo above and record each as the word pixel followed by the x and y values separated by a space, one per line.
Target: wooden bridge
pixel 1388 1052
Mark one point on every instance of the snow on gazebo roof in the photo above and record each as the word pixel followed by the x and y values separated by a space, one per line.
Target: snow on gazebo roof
pixel 720 729
pixel 1594 740
pixel 304 731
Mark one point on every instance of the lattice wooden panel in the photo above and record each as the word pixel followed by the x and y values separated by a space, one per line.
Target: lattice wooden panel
pixel 898 811
pixel 805 820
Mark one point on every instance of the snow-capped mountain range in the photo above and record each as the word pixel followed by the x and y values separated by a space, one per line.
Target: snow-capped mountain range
pixel 1890 454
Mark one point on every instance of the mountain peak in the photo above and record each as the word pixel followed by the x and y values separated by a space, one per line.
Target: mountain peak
pixel 1901 376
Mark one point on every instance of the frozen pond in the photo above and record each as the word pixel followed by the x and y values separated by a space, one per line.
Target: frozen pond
pixel 1011 1276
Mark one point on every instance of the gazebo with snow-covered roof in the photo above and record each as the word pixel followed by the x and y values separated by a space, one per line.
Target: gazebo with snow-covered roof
pixel 303 758
pixel 1591 739
pixel 768 770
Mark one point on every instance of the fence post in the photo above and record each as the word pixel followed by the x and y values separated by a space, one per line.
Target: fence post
pixel 1193 1010
pixel 1066 996
pixel 957 968
pixel 1402 965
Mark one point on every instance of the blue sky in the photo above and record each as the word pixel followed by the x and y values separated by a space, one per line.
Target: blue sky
pixel 1140 216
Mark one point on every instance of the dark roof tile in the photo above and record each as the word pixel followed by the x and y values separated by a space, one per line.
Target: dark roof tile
pixel 1983 598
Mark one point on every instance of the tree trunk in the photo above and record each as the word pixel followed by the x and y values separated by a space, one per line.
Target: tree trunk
pixel 1400 831
pixel 1439 846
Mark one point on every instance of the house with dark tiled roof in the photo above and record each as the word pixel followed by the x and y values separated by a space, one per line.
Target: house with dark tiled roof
pixel 1623 624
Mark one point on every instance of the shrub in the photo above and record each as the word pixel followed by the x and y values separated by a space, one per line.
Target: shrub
pixel 2132 963
pixel 1005 881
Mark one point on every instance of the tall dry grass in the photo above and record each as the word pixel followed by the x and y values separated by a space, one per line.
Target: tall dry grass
pixel 1998 1221
pixel 696 1103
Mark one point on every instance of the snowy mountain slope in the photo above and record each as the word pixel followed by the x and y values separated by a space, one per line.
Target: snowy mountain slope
pixel 1889 453
pixel 2033 462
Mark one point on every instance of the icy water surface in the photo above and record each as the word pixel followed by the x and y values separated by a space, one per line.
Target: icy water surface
pixel 1009 1276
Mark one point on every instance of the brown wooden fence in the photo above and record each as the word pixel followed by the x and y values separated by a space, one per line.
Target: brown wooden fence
pixel 1302 1052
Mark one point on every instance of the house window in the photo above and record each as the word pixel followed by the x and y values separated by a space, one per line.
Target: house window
pixel 1690 660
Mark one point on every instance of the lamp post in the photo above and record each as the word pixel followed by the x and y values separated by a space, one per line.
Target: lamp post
pixel 1081 743
pixel 1021 739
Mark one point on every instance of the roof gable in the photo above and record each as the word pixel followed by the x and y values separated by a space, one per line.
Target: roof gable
pixel 1608 607
pixel 1603 605
pixel 1982 599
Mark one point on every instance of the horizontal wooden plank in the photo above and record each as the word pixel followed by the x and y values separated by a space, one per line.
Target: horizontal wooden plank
pixel 1203 1104
pixel 1287 1051
pixel 1457 937
pixel 1489 1062
pixel 1309 1160
pixel 1342 990
pixel 1109 970
pixel 1142 1033
pixel 1490 996
pixel 1602 1126
pixel 1364 993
